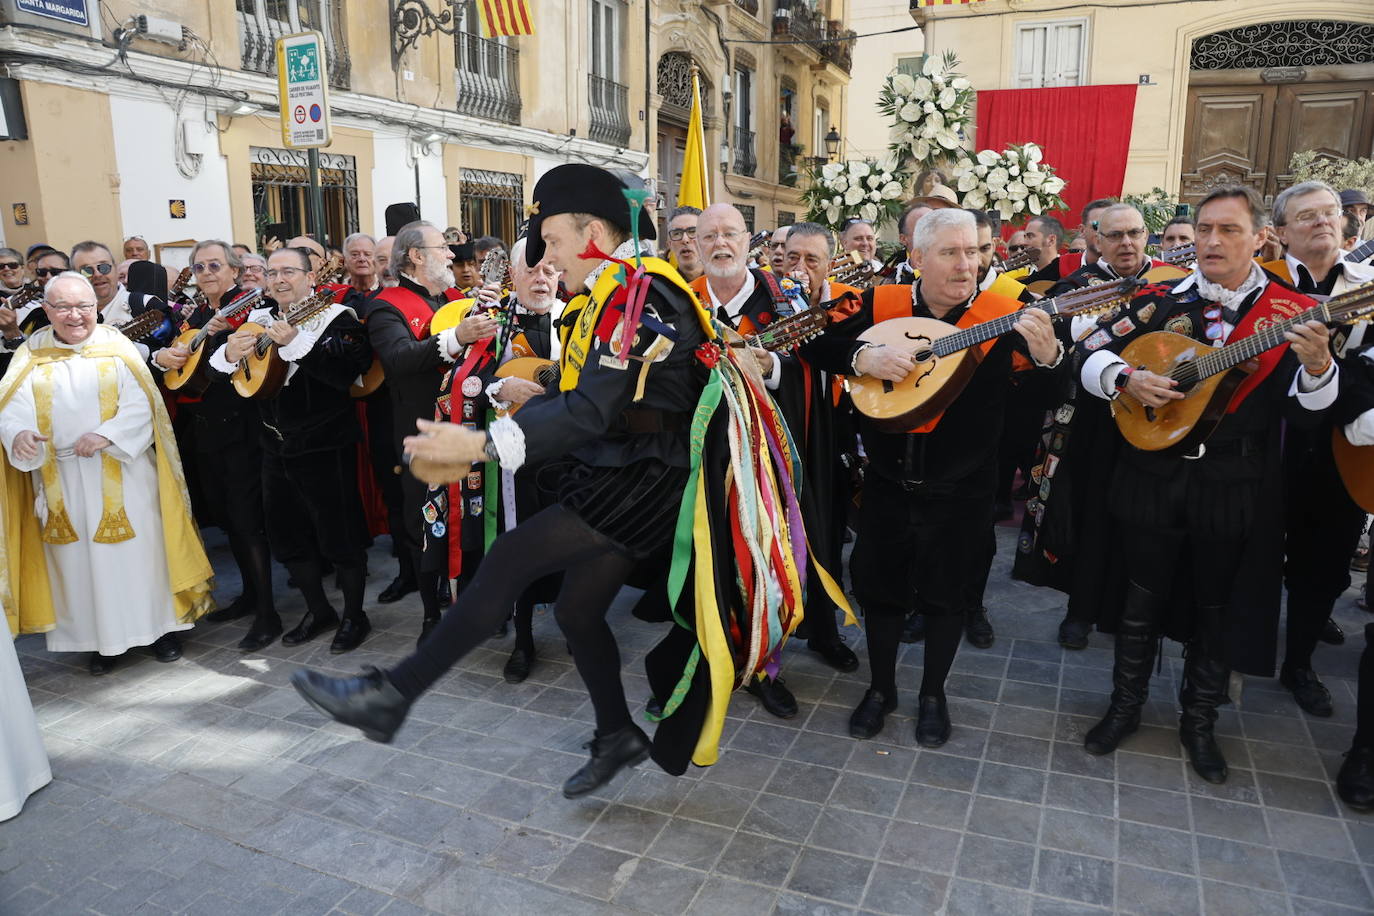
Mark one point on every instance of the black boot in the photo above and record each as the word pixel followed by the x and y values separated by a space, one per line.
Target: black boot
pixel 1135 654
pixel 368 702
pixel 977 627
pixel 1073 633
pixel 1204 689
pixel 627 746
pixel 518 666
pixel 1355 781
pixel 426 625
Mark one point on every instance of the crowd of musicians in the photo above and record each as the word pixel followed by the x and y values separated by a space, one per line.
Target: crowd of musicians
pixel 294 382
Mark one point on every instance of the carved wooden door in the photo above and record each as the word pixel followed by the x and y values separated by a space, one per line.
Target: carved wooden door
pixel 1336 119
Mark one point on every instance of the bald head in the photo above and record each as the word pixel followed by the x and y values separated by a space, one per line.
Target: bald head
pixel 722 241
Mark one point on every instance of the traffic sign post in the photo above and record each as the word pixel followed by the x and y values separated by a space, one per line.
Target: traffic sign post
pixel 303 90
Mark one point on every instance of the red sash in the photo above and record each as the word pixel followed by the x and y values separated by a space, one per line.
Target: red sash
pixel 417 312
pixel 892 301
pixel 1069 261
pixel 1275 304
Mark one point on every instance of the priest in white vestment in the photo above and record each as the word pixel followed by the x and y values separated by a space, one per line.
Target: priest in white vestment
pixel 23 762
pixel 101 551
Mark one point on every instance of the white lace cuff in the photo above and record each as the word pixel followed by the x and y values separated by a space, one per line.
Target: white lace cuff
pixel 492 391
pixel 300 345
pixel 1057 360
pixel 448 344
pixel 509 440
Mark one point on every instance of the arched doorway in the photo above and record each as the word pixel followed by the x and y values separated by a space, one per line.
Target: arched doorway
pixel 1259 93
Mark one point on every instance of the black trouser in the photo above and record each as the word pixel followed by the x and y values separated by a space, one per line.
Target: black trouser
pixel 410 534
pixel 313 509
pixel 387 471
pixel 231 480
pixel 1364 703
pixel 924 549
pixel 593 567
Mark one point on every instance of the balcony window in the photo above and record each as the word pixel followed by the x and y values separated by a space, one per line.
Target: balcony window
pixel 492 202
pixel 487 71
pixel 609 99
pixel 281 183
pixel 262 22
pixel 746 159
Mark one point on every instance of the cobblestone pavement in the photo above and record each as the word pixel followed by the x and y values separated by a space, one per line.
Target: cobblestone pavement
pixel 207 786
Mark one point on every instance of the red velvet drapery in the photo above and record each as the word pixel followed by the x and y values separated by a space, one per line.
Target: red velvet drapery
pixel 1085 132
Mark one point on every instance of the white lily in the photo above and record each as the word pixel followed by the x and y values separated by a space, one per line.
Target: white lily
pixel 832 215
pixel 853 196
pixel 1005 209
pixel 1033 179
pixel 967 181
pixel 892 190
pixel 1017 191
pixel 840 183
pixel 1033 153
pixel 1053 185
pixel 831 169
pixel 980 170
pixel 998 177
pixel 902 84
pixel 1033 204
pixel 922 90
pixel 948 140
pixel 930 66
pixel 869 212
pixel 960 83
pixel 988 157
pixel 947 98
pixel 920 148
pixel 858 169
pixel 911 112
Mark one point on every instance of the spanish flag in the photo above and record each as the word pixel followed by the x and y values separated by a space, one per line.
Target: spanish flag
pixel 505 17
pixel 695 188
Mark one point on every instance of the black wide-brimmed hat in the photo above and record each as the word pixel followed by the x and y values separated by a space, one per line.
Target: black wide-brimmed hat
pixel 1351 197
pixel 464 252
pixel 577 188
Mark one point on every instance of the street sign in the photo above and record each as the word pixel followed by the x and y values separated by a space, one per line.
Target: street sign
pixel 73 11
pixel 303 85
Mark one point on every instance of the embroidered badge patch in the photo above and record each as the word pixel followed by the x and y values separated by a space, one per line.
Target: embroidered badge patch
pixel 1180 324
pixel 1063 415
pixel 472 386
pixel 1146 313
pixel 1051 465
pixel 1097 340
pixel 438 529
pixel 475 480
pixel 475 505
pixel 1123 327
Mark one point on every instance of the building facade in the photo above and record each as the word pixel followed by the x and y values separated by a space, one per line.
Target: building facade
pixel 159 118
pixel 1228 89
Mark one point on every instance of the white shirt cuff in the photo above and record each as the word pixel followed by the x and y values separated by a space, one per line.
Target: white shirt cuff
pixel 775 379
pixel 492 389
pixel 449 347
pixel 220 363
pixel 1319 394
pixel 509 440
pixel 152 361
pixel 1360 431
pixel 1058 358
pixel 1094 372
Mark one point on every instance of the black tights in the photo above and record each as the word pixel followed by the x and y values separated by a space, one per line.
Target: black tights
pixel 943 633
pixel 594 570
pixel 255 569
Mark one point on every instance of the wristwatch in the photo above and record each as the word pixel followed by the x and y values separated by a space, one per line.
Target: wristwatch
pixel 1122 378
pixel 12 343
pixel 490 450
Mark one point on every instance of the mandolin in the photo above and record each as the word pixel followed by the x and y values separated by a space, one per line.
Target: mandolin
pixel 36 317
pixel 790 332
pixel 262 372
pixel 1209 376
pixel 495 269
pixel 1024 258
pixel 947 356
pixel 1362 253
pixel 181 302
pixel 758 244
pixel 1356 464
pixel 194 376
pixel 145 324
pixel 531 368
pixel 1181 256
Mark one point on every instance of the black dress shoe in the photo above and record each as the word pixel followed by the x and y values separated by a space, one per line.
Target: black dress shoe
pixel 914 630
pixel 426 626
pixel 398 589
pixel 836 654
pixel 1204 754
pixel 866 721
pixel 627 747
pixel 167 647
pixel 444 593
pixel 774 696
pixel 518 666
pixel 310 627
pixel 261 635
pixel 1073 634
pixel 100 665
pixel 1355 781
pixel 932 722
pixel 978 628
pixel 237 608
pixel 1308 690
pixel 1107 735
pixel 1332 634
pixel 350 634
pixel 368 702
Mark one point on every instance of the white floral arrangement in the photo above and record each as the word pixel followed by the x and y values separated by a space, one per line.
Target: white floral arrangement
pixel 930 112
pixel 1015 182
pixel 867 189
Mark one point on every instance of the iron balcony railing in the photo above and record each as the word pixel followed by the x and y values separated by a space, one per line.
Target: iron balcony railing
pixel 746 162
pixel 261 23
pixel 610 111
pixel 749 6
pixel 488 77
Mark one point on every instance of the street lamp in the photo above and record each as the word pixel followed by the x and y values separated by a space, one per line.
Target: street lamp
pixel 832 143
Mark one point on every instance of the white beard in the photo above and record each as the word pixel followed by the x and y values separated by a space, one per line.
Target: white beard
pixel 722 270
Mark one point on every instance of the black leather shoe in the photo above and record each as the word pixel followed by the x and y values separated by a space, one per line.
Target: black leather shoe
pixel 836 654
pixel 866 721
pixel 310 627
pixel 233 611
pixel 932 722
pixel 368 702
pixel 774 696
pixel 444 593
pixel 1204 753
pixel 978 628
pixel 261 635
pixel 398 589
pixel 350 634
pixel 426 626
pixel 914 630
pixel 1355 781
pixel 1106 736
pixel 518 666
pixel 627 747
pixel 1073 634
pixel 167 647
pixel 1308 690
pixel 100 665
pixel 1332 634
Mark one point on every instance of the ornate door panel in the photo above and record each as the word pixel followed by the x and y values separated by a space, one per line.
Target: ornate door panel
pixel 1332 118
pixel 1226 139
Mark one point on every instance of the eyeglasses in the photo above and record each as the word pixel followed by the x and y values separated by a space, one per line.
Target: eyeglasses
pixel 678 235
pixel 284 272
pixel 10 265
pixel 71 309
pixel 729 235
pixel 47 271
pixel 103 268
pixel 213 267
pixel 1307 217
pixel 1013 249
pixel 254 269
pixel 1134 235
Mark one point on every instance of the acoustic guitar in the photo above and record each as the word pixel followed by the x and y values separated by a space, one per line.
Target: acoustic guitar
pixel 790 332
pixel 1023 258
pixel 946 356
pixel 262 372
pixel 29 292
pixel 194 376
pixel 1209 377
pixel 138 328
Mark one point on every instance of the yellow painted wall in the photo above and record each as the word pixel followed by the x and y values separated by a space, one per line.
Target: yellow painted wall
pixel 65 171
pixel 457 158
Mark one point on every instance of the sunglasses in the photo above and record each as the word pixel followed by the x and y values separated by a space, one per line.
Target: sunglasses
pixel 201 267
pixel 10 265
pixel 92 269
pixel 1013 249
pixel 47 271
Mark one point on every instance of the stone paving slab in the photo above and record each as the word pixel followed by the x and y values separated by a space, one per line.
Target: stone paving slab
pixel 207 786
